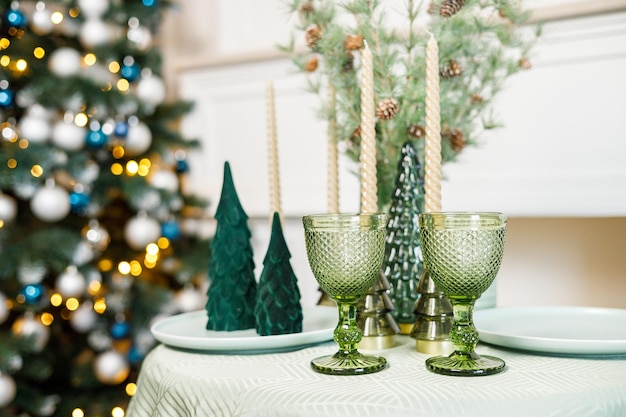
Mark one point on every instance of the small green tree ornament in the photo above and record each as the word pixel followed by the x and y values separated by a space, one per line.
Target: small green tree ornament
pixel 232 286
pixel 278 309
pixel 402 265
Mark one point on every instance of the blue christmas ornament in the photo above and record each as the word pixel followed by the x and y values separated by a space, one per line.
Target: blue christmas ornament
pixel 135 355
pixel 130 72
pixel 15 18
pixel 32 293
pixel 121 129
pixel 182 166
pixel 149 3
pixel 120 330
pixel 96 138
pixel 170 230
pixel 78 202
pixel 6 98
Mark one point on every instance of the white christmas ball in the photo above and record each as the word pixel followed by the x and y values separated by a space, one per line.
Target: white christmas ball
pixel 8 208
pixel 34 128
pixel 93 8
pixel 32 273
pixel 68 136
pixel 30 327
pixel 140 36
pixel 165 180
pixel 83 253
pixel 111 368
pixel 141 230
pixel 138 139
pixel 84 318
pixel 41 22
pixel 50 203
pixel 189 299
pixel 151 90
pixel 95 32
pixel 71 283
pixel 8 389
pixel 4 308
pixel 65 62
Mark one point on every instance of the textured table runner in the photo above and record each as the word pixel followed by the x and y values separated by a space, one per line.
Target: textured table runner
pixel 176 383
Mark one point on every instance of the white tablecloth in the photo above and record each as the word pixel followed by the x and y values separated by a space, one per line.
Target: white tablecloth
pixel 177 383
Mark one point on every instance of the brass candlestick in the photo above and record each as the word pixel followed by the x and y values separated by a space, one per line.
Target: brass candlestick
pixel 374 316
pixel 434 319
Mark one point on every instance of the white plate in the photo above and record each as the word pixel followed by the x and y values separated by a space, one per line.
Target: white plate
pixel 188 330
pixel 555 330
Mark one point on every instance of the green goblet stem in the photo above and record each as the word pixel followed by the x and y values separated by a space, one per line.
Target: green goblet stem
pixel 463 333
pixel 347 333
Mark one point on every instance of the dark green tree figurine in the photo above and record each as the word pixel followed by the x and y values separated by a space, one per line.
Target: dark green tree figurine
pixel 232 286
pixel 402 265
pixel 278 309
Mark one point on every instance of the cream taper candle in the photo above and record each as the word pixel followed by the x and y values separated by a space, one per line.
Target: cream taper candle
pixel 369 203
pixel 333 156
pixel 272 152
pixel 432 179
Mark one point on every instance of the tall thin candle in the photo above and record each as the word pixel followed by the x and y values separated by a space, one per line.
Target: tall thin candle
pixel 272 152
pixel 369 203
pixel 432 180
pixel 333 156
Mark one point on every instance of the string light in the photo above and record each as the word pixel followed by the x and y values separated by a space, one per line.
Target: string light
pixel 4 43
pixel 117 412
pixel 36 171
pixel 100 306
pixel 131 389
pixel 123 267
pixel 163 242
pixel 123 84
pixel 118 152
pixel 89 59
pixel 135 268
pixel 117 168
pixel 5 60
pixel 56 17
pixel 81 119
pixel 12 163
pixel 56 299
pixel 132 167
pixel 23 143
pixel 72 304
pixel 114 67
pixel 21 65
pixel 46 319
pixel 77 412
pixel 94 287
pixel 39 52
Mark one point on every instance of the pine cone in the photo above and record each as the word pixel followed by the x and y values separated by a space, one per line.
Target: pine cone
pixel 417 131
pixel 312 35
pixel 456 138
pixel 311 64
pixel 450 7
pixel 353 42
pixel 524 63
pixel 476 99
pixel 451 70
pixel 387 108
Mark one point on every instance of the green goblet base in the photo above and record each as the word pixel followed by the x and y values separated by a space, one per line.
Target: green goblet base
pixel 465 364
pixel 348 363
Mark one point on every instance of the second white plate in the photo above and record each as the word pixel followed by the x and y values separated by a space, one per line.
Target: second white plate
pixel 188 330
pixel 558 330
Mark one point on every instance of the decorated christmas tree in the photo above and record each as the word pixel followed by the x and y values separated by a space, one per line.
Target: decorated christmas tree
pixel 232 285
pixel 402 264
pixel 278 309
pixel 480 46
pixel 95 235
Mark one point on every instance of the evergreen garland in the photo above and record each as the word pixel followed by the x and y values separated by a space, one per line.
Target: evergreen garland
pixel 480 46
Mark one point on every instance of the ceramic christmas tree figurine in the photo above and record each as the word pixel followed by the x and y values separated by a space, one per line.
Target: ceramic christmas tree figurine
pixel 402 265
pixel 278 309
pixel 232 286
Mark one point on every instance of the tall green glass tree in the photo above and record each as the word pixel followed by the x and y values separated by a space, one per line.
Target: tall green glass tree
pixel 93 212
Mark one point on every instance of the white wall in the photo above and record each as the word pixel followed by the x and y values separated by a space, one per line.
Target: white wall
pixel 556 169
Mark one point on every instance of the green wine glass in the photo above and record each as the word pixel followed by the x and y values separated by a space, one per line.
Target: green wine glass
pixel 345 253
pixel 462 253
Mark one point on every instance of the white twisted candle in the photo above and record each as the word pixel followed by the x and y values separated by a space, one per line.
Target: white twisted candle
pixel 432 180
pixel 333 157
pixel 272 152
pixel 369 203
